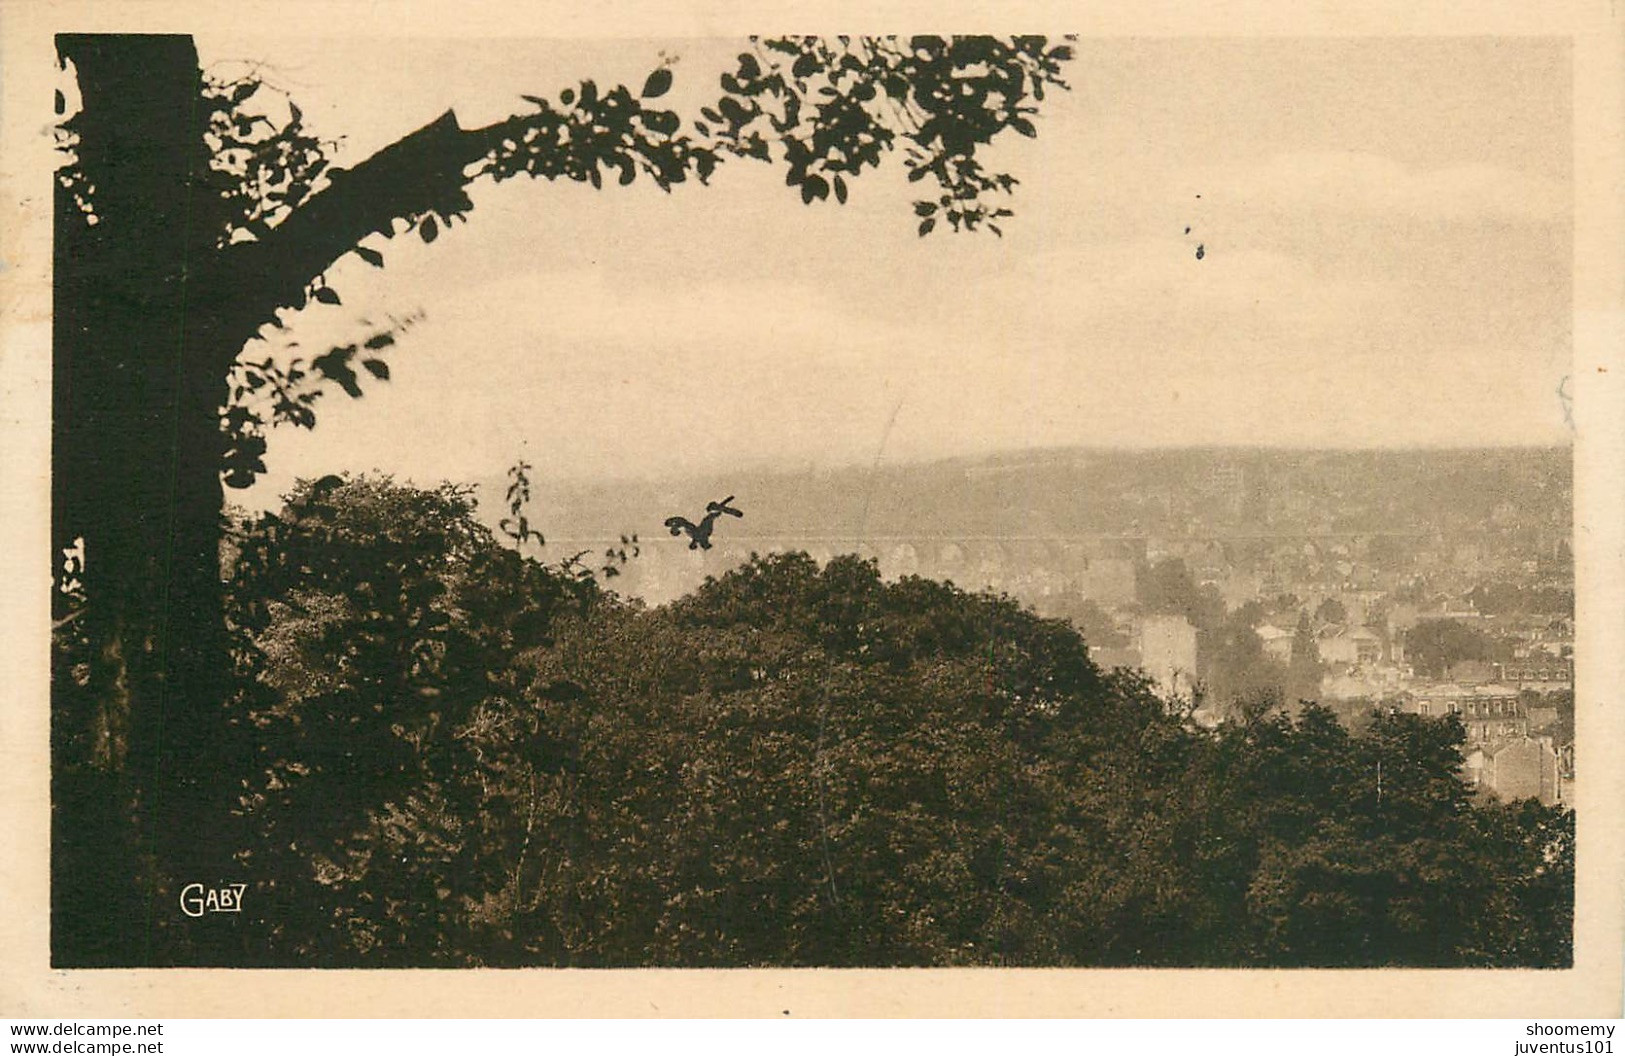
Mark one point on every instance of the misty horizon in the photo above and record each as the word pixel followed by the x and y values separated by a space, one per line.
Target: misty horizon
pixel 268 490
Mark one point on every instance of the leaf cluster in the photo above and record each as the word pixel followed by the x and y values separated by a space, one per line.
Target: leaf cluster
pixel 589 133
pixel 263 160
pixel 833 106
pixel 283 389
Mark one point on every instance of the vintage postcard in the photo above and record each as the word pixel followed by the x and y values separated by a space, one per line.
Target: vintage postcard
pixel 665 515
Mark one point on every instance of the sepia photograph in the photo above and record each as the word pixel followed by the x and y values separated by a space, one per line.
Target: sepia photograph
pixel 709 501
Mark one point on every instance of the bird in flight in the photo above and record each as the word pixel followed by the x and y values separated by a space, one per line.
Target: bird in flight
pixel 699 535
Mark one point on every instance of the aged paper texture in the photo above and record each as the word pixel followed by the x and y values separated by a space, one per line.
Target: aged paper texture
pixel 1239 230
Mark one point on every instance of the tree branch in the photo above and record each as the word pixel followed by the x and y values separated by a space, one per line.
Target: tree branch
pixel 423 172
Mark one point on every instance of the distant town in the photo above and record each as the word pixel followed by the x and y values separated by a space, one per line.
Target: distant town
pixel 1238 580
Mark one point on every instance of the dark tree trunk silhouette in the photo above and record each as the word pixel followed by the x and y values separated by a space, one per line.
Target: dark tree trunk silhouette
pixel 135 450
pixel 149 316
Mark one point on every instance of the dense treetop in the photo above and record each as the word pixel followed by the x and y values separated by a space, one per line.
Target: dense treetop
pixel 471 759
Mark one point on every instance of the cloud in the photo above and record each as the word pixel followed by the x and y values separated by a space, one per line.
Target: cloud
pixel 1372 185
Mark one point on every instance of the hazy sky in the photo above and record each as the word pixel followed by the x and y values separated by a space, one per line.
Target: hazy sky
pixel 1386 222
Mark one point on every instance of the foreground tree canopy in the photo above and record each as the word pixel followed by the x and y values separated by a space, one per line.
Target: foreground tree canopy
pixel 191 214
pixel 465 758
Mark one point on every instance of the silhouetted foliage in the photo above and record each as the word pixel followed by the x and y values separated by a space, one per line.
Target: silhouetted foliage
pixel 1304 670
pixel 468 758
pixel 835 106
pixel 1236 674
pixel 191 214
pixel 1167 587
pixel 1501 599
pixel 380 620
pixel 1433 646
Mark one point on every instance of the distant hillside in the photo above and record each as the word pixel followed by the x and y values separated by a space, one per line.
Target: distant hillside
pixel 1059 494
